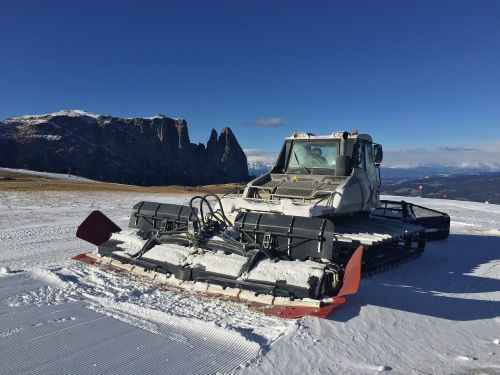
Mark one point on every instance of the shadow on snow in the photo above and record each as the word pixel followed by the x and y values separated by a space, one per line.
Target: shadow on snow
pixel 445 267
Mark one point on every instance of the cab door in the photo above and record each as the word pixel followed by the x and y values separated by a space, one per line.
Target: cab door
pixel 370 168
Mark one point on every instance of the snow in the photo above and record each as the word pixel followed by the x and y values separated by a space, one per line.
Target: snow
pixel 437 314
pixel 293 272
pixel 130 241
pixel 48 137
pixel 155 117
pixel 71 338
pixel 172 254
pixel 467 217
pixel 59 176
pixel 218 262
pixel 31 120
pixel 258 167
pixel 64 112
pixel 89 116
pixel 212 262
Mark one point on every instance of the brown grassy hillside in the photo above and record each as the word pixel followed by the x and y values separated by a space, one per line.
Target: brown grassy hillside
pixel 14 181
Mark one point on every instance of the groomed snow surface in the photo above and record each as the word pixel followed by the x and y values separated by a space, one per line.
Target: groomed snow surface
pixel 436 315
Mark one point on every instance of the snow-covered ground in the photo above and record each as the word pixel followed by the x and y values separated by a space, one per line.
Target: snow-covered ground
pixel 58 176
pixel 437 315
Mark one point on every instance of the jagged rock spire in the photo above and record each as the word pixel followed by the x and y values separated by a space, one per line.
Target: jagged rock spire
pixel 144 151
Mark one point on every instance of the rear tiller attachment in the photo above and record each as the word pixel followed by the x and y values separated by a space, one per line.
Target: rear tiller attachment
pixel 277 263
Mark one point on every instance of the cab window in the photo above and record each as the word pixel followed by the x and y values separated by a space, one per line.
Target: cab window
pixel 305 156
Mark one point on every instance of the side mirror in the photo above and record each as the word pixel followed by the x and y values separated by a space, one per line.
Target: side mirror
pixel 378 153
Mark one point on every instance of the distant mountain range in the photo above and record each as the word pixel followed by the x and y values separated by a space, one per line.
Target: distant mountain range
pixel 259 167
pixel 422 171
pixel 140 151
pixel 472 182
pixel 478 187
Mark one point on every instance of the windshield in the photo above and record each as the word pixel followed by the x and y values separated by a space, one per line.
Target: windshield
pixel 310 155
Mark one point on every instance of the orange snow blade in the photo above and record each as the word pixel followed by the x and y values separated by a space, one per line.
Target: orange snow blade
pixel 352 274
pixel 292 310
pixel 96 228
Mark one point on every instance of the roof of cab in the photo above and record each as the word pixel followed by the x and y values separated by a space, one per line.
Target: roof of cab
pixel 333 135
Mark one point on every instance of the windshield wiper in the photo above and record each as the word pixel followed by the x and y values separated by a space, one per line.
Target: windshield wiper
pixel 299 163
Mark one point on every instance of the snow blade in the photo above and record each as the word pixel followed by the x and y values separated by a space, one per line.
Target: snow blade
pixel 352 273
pixel 291 312
pixel 352 279
pixel 96 228
pixel 266 304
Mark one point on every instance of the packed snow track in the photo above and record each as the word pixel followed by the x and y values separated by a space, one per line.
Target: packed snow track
pixel 438 314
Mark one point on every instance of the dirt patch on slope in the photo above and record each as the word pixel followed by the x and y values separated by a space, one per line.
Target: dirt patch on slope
pixel 15 181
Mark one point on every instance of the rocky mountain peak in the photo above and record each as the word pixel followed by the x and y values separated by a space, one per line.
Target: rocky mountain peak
pixel 213 136
pixel 145 151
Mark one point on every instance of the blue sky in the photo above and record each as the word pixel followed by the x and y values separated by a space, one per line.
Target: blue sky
pixel 411 73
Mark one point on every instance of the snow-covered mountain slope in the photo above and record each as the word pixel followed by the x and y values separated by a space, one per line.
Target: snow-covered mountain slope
pixel 259 167
pixel 484 187
pixel 438 314
pixel 424 171
pixel 58 176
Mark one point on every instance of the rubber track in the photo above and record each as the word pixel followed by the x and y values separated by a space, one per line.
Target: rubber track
pixel 394 264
